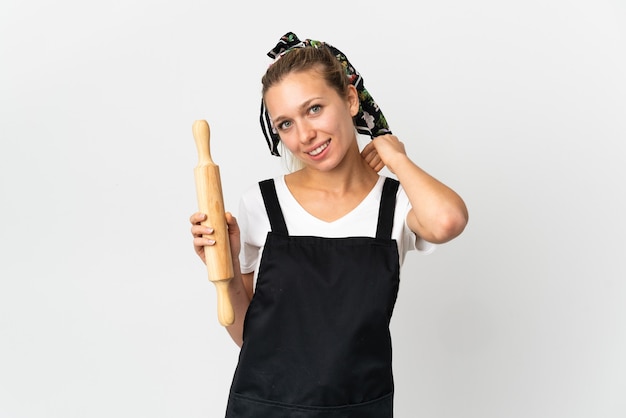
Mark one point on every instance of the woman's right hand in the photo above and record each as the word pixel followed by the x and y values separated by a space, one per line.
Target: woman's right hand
pixel 202 234
pixel 240 288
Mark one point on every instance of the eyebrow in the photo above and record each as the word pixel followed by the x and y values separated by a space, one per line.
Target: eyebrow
pixel 304 105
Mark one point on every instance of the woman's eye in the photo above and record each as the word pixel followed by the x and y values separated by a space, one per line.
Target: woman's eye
pixel 315 108
pixel 284 125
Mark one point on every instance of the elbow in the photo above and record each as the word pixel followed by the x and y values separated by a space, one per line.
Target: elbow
pixel 456 224
pixel 448 226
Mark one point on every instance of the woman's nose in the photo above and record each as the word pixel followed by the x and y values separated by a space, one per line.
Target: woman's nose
pixel 306 132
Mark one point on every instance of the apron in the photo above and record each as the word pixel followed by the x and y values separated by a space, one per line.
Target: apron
pixel 316 341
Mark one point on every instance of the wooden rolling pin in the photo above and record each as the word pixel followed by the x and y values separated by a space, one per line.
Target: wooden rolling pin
pixel 211 202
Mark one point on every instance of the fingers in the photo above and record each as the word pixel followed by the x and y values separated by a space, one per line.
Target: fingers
pixel 371 157
pixel 197 229
pixel 234 234
pixel 201 236
pixel 197 217
pixel 231 222
pixel 378 166
pixel 383 151
pixel 200 231
pixel 203 242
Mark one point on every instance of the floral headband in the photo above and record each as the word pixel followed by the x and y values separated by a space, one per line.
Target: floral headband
pixel 368 121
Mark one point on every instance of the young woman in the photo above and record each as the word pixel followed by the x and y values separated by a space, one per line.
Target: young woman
pixel 327 242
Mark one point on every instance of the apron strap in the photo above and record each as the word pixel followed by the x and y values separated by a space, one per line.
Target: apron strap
pixel 272 207
pixel 387 208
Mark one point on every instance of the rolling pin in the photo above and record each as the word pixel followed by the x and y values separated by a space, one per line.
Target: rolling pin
pixel 211 202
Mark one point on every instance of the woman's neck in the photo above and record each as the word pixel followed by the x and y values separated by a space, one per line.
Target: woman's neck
pixel 352 174
pixel 330 195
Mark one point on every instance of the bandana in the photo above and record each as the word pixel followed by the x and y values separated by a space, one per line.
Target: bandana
pixel 368 121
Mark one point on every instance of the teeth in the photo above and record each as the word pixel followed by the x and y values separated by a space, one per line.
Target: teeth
pixel 319 149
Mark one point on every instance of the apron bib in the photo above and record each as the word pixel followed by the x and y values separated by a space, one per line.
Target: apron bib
pixel 316 333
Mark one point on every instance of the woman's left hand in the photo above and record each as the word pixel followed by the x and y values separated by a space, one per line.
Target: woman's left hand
pixel 382 150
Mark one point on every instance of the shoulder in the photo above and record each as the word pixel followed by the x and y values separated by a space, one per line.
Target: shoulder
pixel 253 192
pixel 251 199
pixel 393 184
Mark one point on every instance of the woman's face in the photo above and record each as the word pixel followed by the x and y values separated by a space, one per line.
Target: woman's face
pixel 314 122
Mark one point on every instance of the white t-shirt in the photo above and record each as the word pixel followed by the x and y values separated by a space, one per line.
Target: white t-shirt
pixel 361 221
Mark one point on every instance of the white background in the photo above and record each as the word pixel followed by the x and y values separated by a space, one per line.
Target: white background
pixel 105 311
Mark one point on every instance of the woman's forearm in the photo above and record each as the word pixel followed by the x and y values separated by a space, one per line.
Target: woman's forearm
pixel 240 297
pixel 438 213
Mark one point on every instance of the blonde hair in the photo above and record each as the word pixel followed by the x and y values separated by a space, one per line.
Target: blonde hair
pixel 290 162
pixel 320 59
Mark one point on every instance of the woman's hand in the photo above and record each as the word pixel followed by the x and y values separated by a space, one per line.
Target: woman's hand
pixel 382 150
pixel 202 234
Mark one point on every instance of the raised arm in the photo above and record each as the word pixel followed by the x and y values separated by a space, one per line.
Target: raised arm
pixel 438 213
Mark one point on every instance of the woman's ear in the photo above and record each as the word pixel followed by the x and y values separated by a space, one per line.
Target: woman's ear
pixel 353 100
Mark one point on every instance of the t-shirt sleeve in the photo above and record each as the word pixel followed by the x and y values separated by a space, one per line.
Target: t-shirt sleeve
pixel 250 251
pixel 410 240
pixel 420 244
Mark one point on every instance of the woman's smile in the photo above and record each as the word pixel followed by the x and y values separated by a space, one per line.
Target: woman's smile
pixel 318 150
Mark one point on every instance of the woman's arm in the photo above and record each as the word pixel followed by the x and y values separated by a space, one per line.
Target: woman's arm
pixel 240 286
pixel 438 213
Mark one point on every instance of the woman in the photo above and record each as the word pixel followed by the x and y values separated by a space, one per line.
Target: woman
pixel 327 241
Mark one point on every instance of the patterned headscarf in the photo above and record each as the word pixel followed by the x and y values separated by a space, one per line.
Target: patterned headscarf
pixel 368 121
